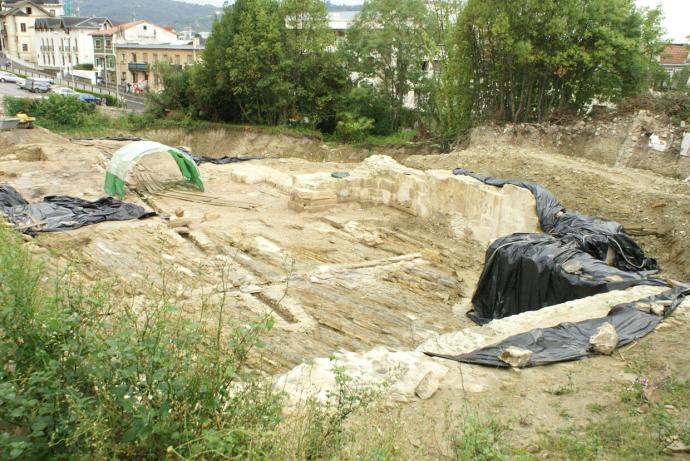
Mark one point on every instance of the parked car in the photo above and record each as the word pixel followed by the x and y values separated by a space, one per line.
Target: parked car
pixel 64 91
pixel 20 82
pixel 89 98
pixel 37 85
pixel 7 77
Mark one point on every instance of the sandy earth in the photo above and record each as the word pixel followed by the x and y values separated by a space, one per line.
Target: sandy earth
pixel 370 281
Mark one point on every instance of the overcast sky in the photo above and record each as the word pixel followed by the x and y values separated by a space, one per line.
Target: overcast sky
pixel 676 22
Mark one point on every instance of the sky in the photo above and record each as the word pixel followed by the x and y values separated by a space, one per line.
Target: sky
pixel 676 12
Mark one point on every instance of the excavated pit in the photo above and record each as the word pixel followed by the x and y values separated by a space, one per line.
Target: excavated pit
pixel 375 263
pixel 382 257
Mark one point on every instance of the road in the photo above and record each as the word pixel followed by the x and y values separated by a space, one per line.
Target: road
pixel 132 101
pixel 11 89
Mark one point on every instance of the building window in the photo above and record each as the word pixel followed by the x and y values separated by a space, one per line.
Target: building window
pixel 145 27
pixel 52 12
pixel 122 61
pixel 189 59
pixel 146 57
pixel 99 43
pixel 22 27
pixel 165 58
pixel 28 10
pixel 108 42
pixel 155 57
pixel 25 47
pixel 177 59
pixel 134 57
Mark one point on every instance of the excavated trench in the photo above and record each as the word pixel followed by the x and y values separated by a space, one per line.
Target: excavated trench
pixel 380 259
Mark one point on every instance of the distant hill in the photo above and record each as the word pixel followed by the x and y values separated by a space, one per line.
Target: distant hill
pixel 180 15
pixel 337 7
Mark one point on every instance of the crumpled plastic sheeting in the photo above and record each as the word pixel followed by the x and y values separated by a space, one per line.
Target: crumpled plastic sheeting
pixel 570 341
pixel 576 256
pixel 524 272
pixel 199 159
pixel 60 212
pixel 595 235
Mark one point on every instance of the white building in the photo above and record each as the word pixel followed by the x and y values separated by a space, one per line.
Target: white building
pixel 62 43
pixel 142 32
pixel 17 31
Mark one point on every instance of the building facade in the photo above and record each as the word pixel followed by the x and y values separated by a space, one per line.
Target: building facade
pixel 62 43
pixel 674 58
pixel 17 32
pixel 139 32
pixel 138 65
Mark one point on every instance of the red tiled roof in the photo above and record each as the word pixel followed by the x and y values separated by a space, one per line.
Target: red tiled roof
pixel 674 55
pixel 116 29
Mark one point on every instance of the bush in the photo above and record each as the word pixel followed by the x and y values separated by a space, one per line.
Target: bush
pixel 353 128
pixel 85 66
pixel 84 377
pixel 54 111
pixel 367 102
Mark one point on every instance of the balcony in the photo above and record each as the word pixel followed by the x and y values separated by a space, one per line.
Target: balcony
pixel 138 66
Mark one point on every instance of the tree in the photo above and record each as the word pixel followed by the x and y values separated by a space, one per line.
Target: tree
pixel 386 46
pixel 522 60
pixel 312 62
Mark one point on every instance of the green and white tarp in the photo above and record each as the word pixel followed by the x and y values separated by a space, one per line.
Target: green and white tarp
pixel 124 158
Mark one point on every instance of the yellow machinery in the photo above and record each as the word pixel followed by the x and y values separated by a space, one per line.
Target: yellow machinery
pixel 25 121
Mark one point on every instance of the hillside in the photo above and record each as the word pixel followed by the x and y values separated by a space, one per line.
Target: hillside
pixel 180 15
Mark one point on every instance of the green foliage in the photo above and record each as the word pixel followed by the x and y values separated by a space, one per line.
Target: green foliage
pixel 353 128
pixel 321 431
pixel 522 60
pixel 85 378
pixel 478 440
pixel 176 96
pixel 54 111
pixel 267 62
pixel 85 66
pixel 386 46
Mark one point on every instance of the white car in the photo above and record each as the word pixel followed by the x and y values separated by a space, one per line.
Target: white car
pixel 7 77
pixel 20 82
pixel 63 91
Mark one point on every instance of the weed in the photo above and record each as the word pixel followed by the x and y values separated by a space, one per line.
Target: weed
pixel 565 389
pixel 478 440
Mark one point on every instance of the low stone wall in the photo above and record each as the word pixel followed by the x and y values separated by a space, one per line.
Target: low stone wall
pixel 473 208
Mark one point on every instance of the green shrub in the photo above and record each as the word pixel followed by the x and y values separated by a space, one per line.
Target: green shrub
pixel 85 66
pixel 479 440
pixel 369 103
pixel 353 128
pixel 83 377
pixel 54 111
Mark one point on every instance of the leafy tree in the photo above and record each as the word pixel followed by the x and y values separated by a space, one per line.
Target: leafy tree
pixel 312 63
pixel 386 47
pixel 523 60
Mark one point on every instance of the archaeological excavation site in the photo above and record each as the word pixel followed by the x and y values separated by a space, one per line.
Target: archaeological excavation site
pixel 483 275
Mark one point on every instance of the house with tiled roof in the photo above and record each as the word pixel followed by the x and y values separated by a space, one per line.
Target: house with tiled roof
pixel 140 32
pixel 17 31
pixel 674 57
pixel 65 42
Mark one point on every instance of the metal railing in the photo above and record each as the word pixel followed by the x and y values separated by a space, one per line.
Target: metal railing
pixel 79 83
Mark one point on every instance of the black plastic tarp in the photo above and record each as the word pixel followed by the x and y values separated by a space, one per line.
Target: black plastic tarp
pixel 570 341
pixel 575 257
pixel 524 272
pixel 199 159
pixel 596 235
pixel 60 212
